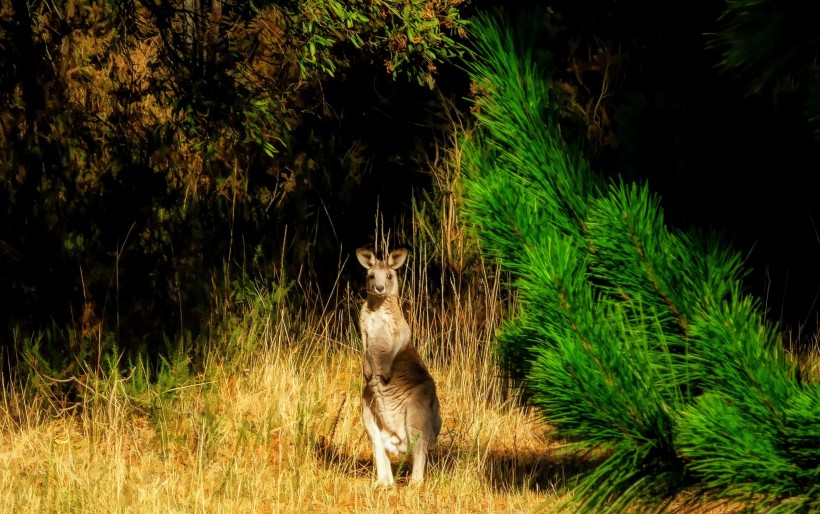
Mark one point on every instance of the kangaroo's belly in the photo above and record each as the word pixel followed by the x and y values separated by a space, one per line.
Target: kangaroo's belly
pixel 396 407
pixel 390 414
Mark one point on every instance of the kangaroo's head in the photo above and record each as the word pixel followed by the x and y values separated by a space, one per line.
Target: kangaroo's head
pixel 381 277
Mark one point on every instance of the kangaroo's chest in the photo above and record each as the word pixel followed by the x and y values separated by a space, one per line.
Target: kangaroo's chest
pixel 380 323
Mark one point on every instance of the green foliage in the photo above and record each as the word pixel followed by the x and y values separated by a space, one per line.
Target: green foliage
pixel 256 309
pixel 411 36
pixel 773 46
pixel 631 337
pixel 438 216
pixel 766 40
pixel 755 433
pixel 59 364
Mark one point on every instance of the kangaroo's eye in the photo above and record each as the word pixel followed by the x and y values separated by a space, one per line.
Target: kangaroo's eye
pixel 370 276
pixel 389 276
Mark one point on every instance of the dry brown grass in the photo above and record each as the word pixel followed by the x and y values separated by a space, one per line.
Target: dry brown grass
pixel 276 427
pixel 279 430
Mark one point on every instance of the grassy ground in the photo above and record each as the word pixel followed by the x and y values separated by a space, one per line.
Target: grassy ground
pixel 271 423
pixel 276 427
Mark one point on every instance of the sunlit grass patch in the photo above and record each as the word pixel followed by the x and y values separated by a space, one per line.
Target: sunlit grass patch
pixel 275 426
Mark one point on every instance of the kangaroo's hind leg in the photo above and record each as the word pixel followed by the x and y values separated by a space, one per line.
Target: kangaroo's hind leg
pixel 419 459
pixel 422 434
pixel 384 471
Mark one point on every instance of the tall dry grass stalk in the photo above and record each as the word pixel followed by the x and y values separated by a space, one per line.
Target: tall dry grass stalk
pixel 277 427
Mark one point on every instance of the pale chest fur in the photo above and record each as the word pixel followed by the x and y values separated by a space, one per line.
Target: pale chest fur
pixel 385 322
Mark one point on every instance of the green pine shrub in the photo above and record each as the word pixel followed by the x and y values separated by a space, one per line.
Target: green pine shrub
pixel 633 338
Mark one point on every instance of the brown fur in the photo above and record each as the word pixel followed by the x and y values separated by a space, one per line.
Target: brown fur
pixel 400 408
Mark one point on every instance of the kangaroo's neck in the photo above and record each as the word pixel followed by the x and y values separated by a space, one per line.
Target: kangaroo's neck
pixel 375 302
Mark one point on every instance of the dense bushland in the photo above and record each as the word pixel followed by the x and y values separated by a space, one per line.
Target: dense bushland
pixel 158 156
pixel 183 182
pixel 155 155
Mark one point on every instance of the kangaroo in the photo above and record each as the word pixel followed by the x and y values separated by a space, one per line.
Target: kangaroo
pixel 400 408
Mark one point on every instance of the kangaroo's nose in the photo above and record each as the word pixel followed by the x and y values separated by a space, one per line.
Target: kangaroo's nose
pixel 379 288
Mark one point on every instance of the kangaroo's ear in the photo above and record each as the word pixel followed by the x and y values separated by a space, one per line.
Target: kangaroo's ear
pixel 366 257
pixel 397 258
